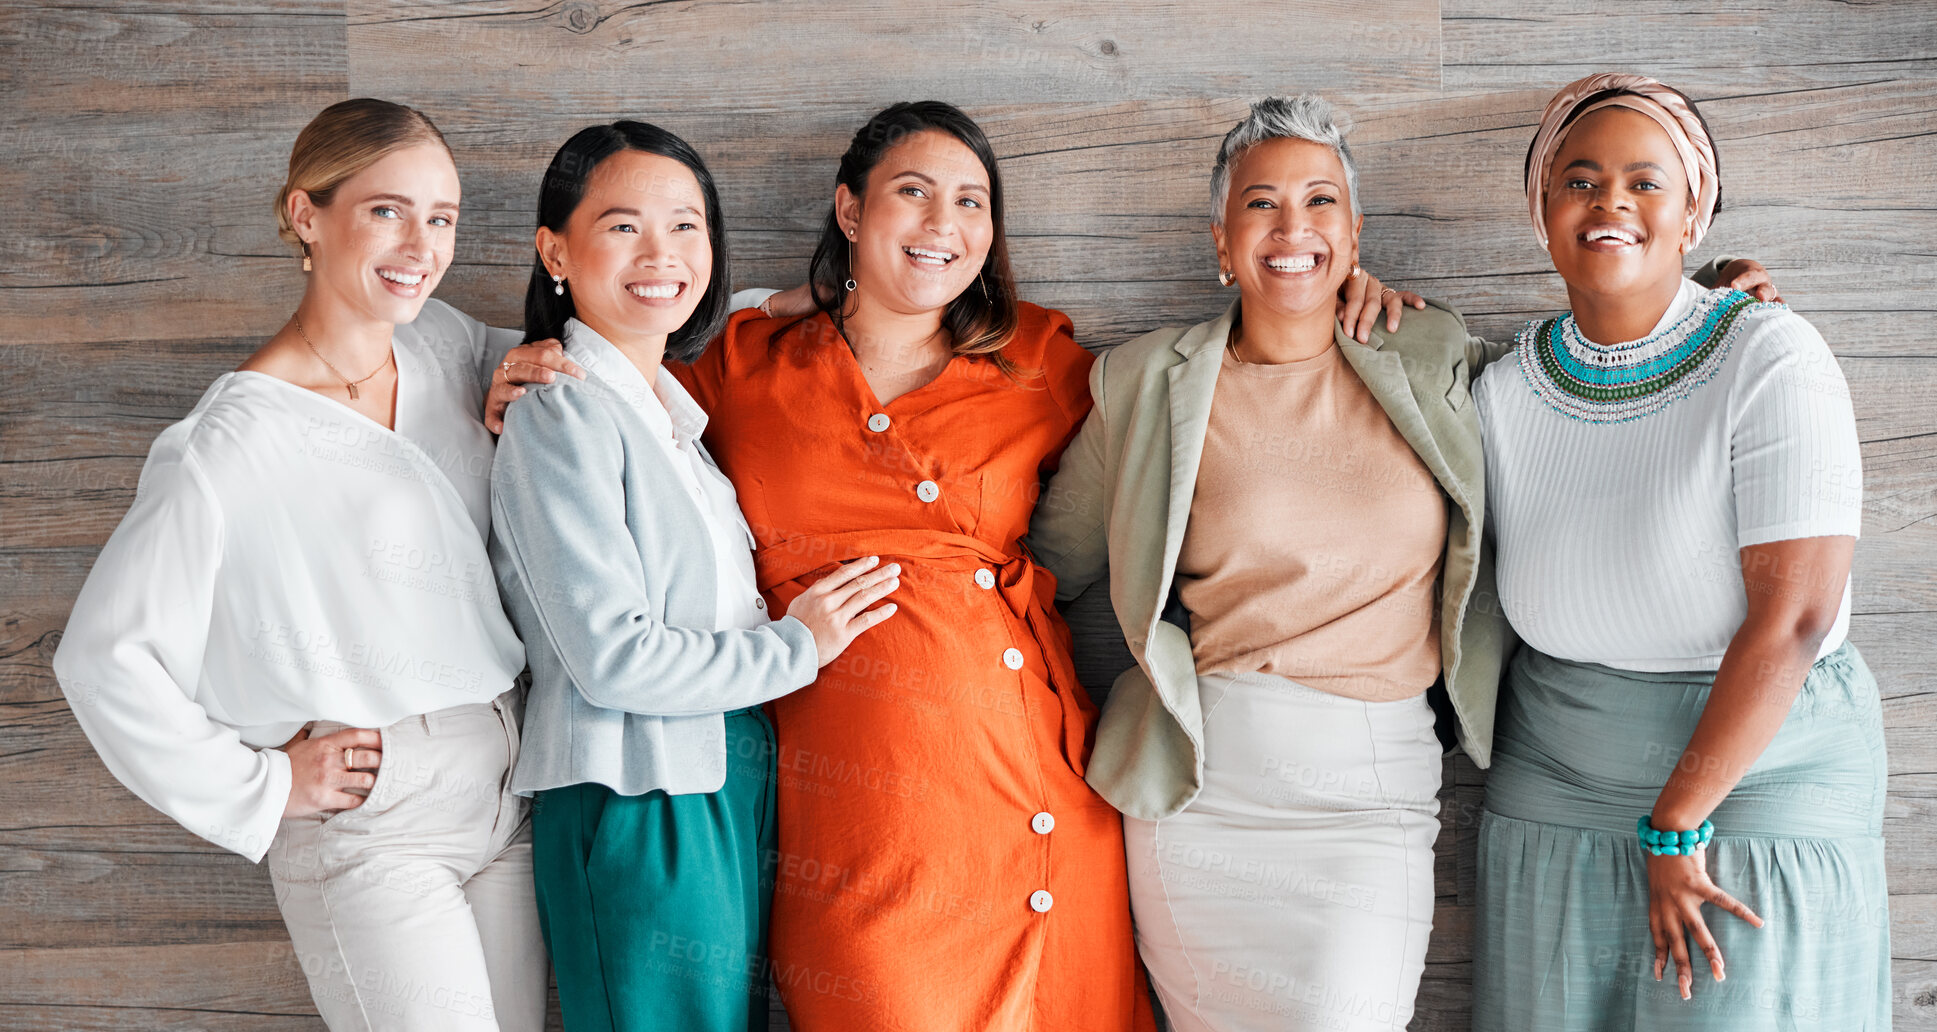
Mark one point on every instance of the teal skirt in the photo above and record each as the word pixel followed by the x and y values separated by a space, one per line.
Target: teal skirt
pixel 655 906
pixel 1561 940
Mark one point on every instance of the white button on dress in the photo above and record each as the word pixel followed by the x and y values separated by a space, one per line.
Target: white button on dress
pixel 984 579
pixel 878 422
pixel 1040 901
pixel 1043 823
pixel 1012 658
pixel 927 491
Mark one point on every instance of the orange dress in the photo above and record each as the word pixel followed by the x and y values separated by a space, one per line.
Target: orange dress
pixel 942 864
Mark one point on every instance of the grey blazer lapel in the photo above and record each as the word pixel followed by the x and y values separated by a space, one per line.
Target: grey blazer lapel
pixel 1193 383
pixel 1384 374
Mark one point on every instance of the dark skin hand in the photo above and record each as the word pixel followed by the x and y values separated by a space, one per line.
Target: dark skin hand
pixel 1794 591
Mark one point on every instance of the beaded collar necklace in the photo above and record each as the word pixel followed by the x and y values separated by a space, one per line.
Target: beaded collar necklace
pixel 1594 384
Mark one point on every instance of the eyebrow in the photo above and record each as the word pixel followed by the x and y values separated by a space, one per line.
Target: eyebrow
pixel 405 201
pixel 636 213
pixel 1269 186
pixel 931 181
pixel 1595 166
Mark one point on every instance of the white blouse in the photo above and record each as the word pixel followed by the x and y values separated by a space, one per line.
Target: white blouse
pixel 287 559
pixel 677 423
pixel 1620 527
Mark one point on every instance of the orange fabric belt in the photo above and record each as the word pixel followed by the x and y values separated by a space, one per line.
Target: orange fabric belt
pixel 1028 589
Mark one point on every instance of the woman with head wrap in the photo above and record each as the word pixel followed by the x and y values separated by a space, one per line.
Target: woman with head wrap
pixel 1674 485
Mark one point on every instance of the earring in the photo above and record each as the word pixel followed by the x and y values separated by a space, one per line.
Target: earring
pixel 1225 279
pixel 558 284
pixel 1356 271
pixel 306 264
pixel 850 284
pixel 986 299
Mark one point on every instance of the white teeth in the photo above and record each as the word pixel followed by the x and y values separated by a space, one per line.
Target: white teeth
pixel 669 290
pixel 1298 263
pixel 929 257
pixel 408 279
pixel 1611 233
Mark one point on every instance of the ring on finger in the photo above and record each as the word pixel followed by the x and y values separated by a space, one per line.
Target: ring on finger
pixel 349 758
pixel 506 367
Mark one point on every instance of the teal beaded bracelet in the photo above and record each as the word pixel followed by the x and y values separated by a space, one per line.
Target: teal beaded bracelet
pixel 1673 843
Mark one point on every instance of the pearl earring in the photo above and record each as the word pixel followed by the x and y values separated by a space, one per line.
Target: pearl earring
pixel 558 284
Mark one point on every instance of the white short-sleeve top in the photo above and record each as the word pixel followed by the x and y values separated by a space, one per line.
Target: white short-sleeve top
pixel 1622 481
pixel 287 559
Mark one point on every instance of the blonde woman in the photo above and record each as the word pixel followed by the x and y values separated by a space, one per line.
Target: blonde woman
pixel 293 645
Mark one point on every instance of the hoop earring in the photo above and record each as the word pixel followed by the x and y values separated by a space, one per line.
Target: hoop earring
pixel 850 284
pixel 558 285
pixel 306 265
pixel 1225 279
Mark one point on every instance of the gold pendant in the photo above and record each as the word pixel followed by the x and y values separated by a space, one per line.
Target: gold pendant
pixel 352 388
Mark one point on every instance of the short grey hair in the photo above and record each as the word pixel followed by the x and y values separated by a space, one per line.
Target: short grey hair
pixel 1304 117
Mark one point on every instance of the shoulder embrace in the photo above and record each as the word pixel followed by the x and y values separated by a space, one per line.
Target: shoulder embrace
pixel 1437 329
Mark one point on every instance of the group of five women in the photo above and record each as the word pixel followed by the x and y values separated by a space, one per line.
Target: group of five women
pixel 894 802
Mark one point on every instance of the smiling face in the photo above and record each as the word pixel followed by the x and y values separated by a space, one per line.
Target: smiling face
pixel 386 237
pixel 1288 234
pixel 1619 212
pixel 923 229
pixel 635 253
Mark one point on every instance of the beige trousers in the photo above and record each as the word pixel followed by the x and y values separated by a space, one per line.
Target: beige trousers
pixel 414 912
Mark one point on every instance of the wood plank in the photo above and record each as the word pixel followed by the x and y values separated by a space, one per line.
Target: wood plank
pixel 1771 45
pixel 607 56
pixel 1109 212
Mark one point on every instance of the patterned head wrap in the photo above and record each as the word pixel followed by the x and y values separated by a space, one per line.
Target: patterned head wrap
pixel 1640 93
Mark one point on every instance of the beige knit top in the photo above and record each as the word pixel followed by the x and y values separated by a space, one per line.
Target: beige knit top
pixel 1315 535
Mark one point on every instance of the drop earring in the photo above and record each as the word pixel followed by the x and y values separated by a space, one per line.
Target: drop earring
pixel 558 284
pixel 306 264
pixel 1225 279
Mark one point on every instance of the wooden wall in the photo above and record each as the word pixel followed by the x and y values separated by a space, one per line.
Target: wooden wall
pixel 141 144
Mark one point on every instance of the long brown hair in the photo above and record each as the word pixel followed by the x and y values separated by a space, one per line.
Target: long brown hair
pixel 980 320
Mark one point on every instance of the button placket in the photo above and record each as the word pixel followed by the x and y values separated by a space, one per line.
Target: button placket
pixel 1043 823
pixel 1040 901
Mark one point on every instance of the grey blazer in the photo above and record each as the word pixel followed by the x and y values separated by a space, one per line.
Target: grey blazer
pixel 607 571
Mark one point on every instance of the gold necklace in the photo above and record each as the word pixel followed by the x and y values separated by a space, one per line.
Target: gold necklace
pixel 347 382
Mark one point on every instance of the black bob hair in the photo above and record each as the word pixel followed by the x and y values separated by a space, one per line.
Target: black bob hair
pixel 566 180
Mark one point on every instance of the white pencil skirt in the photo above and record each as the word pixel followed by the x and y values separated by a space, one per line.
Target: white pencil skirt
pixel 1296 891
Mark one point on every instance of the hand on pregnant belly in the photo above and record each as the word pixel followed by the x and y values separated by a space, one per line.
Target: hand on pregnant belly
pixel 836 607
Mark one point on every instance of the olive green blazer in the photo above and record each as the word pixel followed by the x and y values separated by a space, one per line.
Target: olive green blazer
pixel 1121 499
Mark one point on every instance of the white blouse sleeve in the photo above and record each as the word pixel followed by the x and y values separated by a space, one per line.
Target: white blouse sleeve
pixel 752 297
pixel 1794 456
pixel 131 659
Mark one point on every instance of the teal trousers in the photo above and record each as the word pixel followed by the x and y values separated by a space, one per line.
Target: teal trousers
pixel 654 905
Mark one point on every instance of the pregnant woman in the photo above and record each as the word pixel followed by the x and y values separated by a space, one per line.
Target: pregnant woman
pixel 942 864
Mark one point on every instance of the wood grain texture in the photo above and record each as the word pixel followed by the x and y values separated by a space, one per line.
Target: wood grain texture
pixel 141 144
